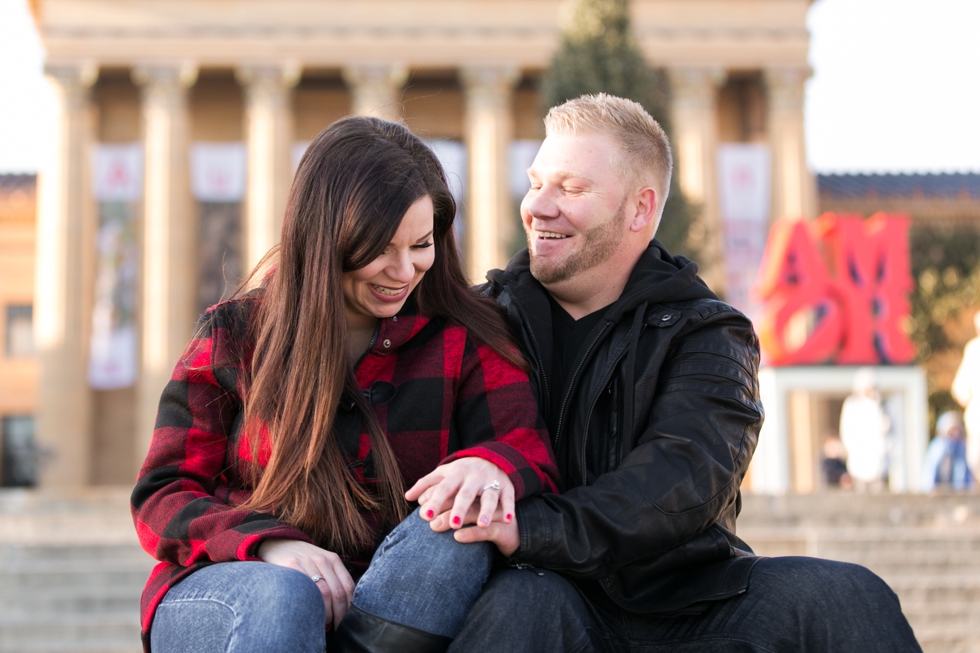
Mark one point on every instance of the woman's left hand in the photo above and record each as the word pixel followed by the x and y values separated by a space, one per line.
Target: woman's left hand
pixel 458 484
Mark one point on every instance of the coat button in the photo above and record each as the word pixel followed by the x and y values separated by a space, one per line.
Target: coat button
pixel 665 317
pixel 386 343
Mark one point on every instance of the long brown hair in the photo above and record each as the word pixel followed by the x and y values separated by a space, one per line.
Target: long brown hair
pixel 351 191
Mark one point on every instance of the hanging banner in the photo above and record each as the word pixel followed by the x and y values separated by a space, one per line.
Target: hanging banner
pixel 218 171
pixel 117 172
pixel 118 186
pixel 744 201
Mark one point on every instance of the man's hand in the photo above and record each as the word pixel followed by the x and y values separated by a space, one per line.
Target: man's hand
pixel 504 534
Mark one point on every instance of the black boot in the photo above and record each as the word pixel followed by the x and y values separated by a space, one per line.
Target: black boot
pixel 362 632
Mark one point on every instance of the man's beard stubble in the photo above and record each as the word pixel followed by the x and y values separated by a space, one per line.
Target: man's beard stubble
pixel 599 244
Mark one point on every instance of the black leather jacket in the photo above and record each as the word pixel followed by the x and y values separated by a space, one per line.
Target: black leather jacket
pixel 653 439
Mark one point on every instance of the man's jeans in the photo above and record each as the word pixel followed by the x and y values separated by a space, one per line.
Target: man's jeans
pixel 792 604
pixel 417 578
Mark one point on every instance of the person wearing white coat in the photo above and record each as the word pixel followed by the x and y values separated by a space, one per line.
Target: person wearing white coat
pixel 864 432
pixel 966 391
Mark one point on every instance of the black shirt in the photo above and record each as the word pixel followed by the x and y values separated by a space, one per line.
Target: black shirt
pixel 568 337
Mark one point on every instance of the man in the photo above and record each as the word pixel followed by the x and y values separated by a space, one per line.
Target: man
pixel 649 386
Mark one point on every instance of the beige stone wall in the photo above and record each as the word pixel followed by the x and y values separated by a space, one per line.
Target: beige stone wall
pixel 418 34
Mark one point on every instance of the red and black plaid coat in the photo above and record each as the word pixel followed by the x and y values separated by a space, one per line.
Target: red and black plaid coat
pixel 438 395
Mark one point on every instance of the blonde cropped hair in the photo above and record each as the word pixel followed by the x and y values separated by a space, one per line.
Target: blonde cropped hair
pixel 646 158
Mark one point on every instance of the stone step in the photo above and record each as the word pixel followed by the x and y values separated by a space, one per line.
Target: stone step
pixel 77 566
pixel 935 588
pixel 824 542
pixel 77 601
pixel 953 615
pixel 32 580
pixel 98 515
pixel 13 554
pixel 120 630
pixel 829 509
pixel 940 640
pixel 923 563
pixel 87 646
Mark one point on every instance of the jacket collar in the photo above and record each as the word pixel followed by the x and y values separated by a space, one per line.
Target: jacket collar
pixel 658 277
pixel 394 332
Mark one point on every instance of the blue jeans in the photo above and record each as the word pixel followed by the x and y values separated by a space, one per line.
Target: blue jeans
pixel 417 578
pixel 792 604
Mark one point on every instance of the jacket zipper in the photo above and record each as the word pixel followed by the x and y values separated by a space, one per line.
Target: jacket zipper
pixel 588 419
pixel 571 384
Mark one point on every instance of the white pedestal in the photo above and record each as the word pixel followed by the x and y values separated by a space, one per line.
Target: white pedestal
pixel 770 470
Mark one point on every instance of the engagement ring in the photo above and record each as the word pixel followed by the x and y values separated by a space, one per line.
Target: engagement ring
pixel 316 578
pixel 494 485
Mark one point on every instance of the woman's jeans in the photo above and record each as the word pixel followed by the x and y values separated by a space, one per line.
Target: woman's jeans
pixel 417 578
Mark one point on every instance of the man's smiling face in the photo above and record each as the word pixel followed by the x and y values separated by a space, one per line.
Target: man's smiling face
pixel 573 213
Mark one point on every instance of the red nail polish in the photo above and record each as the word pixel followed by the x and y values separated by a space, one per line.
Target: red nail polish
pixel 430 514
pixel 509 516
pixel 456 520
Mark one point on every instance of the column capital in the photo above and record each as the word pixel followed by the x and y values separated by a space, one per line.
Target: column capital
pixel 269 83
pixel 375 88
pixel 173 77
pixel 80 73
pixel 696 86
pixel 486 81
pixel 375 74
pixel 271 74
pixel 785 85
pixel 72 81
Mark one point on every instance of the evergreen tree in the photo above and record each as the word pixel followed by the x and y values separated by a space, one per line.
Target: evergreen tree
pixel 598 54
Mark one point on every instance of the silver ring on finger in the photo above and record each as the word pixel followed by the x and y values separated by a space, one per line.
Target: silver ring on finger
pixel 316 578
pixel 492 485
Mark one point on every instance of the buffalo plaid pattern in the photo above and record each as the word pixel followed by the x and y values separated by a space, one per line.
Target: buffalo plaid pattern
pixel 438 395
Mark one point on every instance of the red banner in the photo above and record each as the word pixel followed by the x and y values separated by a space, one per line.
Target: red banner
pixel 836 291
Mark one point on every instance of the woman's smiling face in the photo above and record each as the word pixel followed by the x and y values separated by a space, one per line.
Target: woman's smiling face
pixel 380 288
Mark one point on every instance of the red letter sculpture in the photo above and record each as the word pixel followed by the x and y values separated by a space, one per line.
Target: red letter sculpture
pixel 854 318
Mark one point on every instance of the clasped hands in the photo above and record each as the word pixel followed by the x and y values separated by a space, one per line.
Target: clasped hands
pixel 453 496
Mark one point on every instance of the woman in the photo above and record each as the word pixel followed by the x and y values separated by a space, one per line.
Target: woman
pixel 300 413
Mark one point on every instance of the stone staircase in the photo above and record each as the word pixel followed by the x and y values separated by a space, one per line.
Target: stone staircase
pixel 927 548
pixel 71 570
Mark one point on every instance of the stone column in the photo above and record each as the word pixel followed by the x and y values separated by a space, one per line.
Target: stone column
pixel 167 313
pixel 490 219
pixel 375 89
pixel 695 118
pixel 64 283
pixel 794 188
pixel 269 120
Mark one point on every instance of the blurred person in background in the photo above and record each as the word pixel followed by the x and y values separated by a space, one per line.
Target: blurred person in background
pixel 864 432
pixel 966 391
pixel 833 463
pixel 945 465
